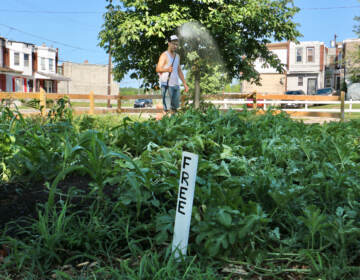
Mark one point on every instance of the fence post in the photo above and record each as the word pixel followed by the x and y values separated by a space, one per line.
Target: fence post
pixel 350 105
pixel 342 96
pixel 254 100
pixel 92 103
pixel 119 103
pixel 42 99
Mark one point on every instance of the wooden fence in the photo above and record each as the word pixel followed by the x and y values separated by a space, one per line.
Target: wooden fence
pixel 225 100
pixel 42 96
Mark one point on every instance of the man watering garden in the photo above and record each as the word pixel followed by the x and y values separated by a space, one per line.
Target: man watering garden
pixel 169 70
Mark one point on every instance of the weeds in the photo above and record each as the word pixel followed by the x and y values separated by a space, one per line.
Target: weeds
pixel 273 196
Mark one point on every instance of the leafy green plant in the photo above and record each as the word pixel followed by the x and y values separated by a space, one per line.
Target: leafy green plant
pixel 273 195
pixel 60 110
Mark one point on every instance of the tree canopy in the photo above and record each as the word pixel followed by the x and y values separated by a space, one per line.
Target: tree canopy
pixel 352 60
pixel 136 32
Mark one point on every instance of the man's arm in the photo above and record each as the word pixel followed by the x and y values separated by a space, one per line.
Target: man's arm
pixel 181 76
pixel 160 67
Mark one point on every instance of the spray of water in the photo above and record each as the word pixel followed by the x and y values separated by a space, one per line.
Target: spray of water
pixel 201 54
pixel 196 38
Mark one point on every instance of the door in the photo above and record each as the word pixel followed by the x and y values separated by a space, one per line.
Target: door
pixel 337 83
pixel 48 86
pixel 311 86
pixel 19 85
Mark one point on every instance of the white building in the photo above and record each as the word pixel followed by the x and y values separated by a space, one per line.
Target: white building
pixel 2 44
pixel 272 82
pixel 18 57
pixel 23 65
pixel 45 69
pixel 307 62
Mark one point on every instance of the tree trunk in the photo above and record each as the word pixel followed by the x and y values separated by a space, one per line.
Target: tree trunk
pixel 197 90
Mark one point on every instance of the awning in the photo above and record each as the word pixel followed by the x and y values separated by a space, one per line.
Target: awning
pixel 7 70
pixel 50 76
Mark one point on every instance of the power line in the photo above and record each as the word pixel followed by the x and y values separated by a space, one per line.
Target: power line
pixel 97 13
pixel 51 12
pixel 49 40
pixel 35 9
pixel 332 8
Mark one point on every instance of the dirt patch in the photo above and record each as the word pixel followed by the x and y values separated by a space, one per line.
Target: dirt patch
pixel 19 203
pixel 317 120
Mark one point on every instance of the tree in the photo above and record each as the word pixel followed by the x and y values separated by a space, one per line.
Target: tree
pixel 352 59
pixel 213 80
pixel 136 31
pixel 352 64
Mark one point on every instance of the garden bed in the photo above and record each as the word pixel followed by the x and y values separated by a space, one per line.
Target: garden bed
pixel 275 198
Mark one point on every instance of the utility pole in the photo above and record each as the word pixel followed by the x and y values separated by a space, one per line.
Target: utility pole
pixel 336 56
pixel 109 78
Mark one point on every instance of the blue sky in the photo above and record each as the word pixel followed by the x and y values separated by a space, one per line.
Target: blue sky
pixel 322 24
pixel 75 32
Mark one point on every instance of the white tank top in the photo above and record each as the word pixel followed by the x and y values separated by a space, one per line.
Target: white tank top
pixel 174 77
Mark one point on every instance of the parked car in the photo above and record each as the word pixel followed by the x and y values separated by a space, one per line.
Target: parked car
pixel 326 91
pixel 293 105
pixel 141 103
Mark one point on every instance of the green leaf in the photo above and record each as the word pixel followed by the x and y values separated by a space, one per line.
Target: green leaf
pixel 224 218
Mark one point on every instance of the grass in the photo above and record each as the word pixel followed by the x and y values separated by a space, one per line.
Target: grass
pixel 336 106
pixel 74 104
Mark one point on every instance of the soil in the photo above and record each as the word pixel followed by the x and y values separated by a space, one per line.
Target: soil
pixel 19 203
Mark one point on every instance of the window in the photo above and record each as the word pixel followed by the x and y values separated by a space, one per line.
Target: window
pixel 310 51
pixel 300 81
pixel 16 59
pixel 51 65
pixel 328 82
pixel 340 56
pixel 339 61
pixel 43 63
pixel 60 70
pixel 299 53
pixel 26 60
pixel 31 85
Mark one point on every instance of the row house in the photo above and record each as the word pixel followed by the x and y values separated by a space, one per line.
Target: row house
pixel 304 68
pixel 25 67
pixel 272 82
pixel 339 60
pixel 307 66
pixel 5 70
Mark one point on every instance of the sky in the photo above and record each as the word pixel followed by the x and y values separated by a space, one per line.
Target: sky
pixel 73 26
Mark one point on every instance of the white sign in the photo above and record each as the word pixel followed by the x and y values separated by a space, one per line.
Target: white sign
pixel 189 165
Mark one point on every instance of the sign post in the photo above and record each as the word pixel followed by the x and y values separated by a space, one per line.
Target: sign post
pixel 189 165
